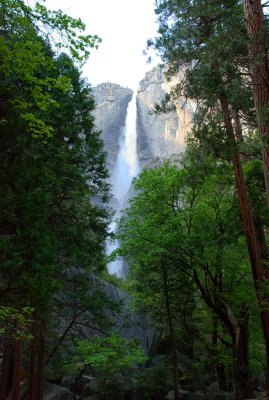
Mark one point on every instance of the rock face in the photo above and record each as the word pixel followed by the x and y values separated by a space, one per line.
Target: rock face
pixel 129 323
pixel 82 321
pixel 55 392
pixel 160 136
pixel 110 114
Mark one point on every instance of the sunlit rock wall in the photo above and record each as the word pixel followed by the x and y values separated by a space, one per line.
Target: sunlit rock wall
pixel 110 114
pixel 160 136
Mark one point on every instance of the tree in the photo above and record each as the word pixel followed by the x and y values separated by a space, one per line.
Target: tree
pixel 53 186
pixel 24 30
pixel 111 357
pixel 257 30
pixel 111 354
pixel 197 36
pixel 182 217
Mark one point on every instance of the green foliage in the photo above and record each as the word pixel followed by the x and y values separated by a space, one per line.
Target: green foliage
pixel 109 355
pixel 113 279
pixel 187 220
pixel 15 324
pixel 64 31
pixel 253 170
pixel 26 59
pixel 151 383
pixel 190 218
pixel 60 178
pixel 53 190
pixel 196 38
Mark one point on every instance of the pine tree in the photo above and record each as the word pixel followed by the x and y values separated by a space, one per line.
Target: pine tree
pixel 53 186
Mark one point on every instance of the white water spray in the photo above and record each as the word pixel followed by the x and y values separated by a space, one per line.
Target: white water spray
pixel 127 166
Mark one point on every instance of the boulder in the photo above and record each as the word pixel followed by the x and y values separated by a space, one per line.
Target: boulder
pixel 186 395
pixel 220 395
pixel 55 392
pixel 69 382
pixel 91 388
pixel 213 387
pixel 78 384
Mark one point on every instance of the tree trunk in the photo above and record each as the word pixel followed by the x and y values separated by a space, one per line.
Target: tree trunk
pixel 219 367
pixel 6 370
pixel 242 377
pixel 259 67
pixel 171 330
pixel 238 129
pixel 63 335
pixel 17 371
pixel 259 271
pixel 257 218
pixel 40 362
pixel 32 360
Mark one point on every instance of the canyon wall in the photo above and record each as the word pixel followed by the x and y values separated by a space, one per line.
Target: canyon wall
pixel 163 135
pixel 158 136
pixel 110 114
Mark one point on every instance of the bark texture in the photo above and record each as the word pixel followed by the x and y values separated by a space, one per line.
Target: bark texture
pixel 17 371
pixel 259 68
pixel 255 248
pixel 6 370
pixel 171 331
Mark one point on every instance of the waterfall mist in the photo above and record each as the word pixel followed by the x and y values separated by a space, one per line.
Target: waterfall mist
pixel 126 167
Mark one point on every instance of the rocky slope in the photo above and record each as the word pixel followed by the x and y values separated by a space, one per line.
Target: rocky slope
pixel 160 136
pixel 110 113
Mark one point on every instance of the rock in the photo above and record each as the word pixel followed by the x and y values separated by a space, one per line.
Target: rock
pixel 220 395
pixel 129 323
pixel 193 396
pixel 91 388
pixel 83 384
pixel 111 108
pixel 55 392
pixel 213 387
pixel 69 382
pixel 185 395
pixel 80 384
pixel 50 392
pixel 88 390
pixel 160 136
pixel 259 382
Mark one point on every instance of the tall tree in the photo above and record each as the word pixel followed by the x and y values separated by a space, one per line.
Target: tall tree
pixel 184 217
pixel 196 36
pixel 53 186
pixel 257 29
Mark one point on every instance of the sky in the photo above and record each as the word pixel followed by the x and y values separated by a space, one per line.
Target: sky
pixel 124 26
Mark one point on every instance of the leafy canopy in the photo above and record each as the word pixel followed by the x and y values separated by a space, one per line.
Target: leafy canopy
pixel 109 355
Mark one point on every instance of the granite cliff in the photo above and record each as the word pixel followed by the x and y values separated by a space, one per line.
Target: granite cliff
pixel 162 135
pixel 158 136
pixel 110 114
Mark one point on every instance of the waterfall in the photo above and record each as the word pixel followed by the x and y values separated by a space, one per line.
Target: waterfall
pixel 126 167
